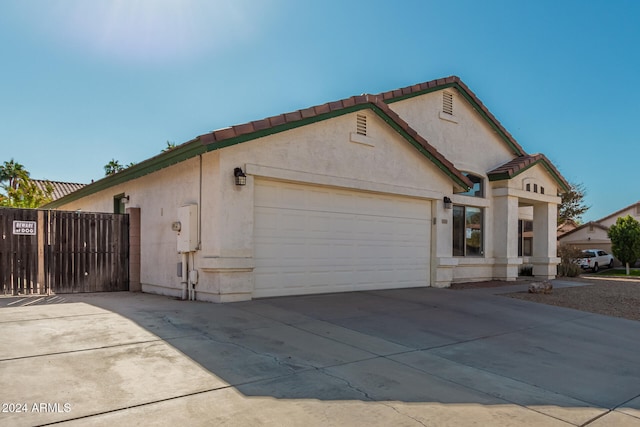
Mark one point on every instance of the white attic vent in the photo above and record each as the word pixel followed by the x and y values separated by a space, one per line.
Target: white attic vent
pixel 361 124
pixel 447 103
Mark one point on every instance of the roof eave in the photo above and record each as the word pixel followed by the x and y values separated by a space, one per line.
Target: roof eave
pixel 182 152
pixel 562 183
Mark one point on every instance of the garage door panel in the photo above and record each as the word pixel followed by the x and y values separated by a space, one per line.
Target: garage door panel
pixel 313 239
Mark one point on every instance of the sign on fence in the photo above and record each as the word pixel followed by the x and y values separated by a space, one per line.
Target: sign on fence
pixel 24 228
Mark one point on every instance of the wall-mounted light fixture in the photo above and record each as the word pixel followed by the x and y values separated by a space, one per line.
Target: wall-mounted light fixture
pixel 124 200
pixel 241 178
pixel 448 204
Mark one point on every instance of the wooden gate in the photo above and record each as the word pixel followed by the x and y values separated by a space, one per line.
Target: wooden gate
pixel 68 252
pixel 19 251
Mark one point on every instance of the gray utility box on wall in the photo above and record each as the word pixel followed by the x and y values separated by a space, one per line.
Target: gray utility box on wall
pixel 188 234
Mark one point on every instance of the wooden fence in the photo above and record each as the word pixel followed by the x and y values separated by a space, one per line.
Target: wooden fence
pixel 18 250
pixel 68 252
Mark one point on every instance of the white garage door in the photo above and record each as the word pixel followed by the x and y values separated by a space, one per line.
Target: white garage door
pixel 316 239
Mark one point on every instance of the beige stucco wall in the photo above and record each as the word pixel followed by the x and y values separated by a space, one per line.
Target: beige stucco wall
pixel 322 153
pixel 469 142
pixel 473 146
pixel 158 196
pixel 329 153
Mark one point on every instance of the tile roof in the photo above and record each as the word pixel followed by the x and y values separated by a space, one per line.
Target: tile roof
pixel 378 103
pixel 522 163
pixel 382 98
pixel 618 212
pixel 598 224
pixel 60 189
pixel 375 102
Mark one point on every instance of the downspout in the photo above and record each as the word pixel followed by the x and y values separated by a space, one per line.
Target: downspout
pixel 200 208
pixel 184 276
pixel 191 282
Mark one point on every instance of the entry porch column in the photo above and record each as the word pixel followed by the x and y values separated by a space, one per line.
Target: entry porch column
pixel 545 259
pixel 505 237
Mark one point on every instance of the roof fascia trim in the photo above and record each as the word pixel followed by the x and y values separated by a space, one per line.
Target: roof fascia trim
pixel 321 117
pixel 161 161
pixel 505 175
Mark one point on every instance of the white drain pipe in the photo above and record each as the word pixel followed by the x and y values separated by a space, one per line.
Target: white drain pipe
pixel 184 275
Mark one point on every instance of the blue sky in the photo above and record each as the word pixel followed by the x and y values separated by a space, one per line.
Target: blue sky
pixel 82 82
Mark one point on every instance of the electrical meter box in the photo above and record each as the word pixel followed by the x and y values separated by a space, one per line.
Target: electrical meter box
pixel 188 234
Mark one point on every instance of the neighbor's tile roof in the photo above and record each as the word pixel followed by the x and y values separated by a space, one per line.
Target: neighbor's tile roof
pixel 583 226
pixel 60 189
pixel 618 212
pixel 522 163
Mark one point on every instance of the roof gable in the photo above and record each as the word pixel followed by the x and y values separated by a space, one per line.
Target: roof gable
pixel 377 103
pixel 582 227
pixel 463 89
pixel 635 206
pixel 520 164
pixel 237 134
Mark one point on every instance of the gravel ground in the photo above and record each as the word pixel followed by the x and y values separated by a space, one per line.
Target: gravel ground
pixel 608 296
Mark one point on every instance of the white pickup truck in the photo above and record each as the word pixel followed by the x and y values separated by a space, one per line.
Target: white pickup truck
pixel 593 259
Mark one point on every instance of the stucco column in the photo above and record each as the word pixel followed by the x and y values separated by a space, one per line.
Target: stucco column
pixel 442 261
pixel 505 237
pixel 134 249
pixel 545 257
pixel 226 260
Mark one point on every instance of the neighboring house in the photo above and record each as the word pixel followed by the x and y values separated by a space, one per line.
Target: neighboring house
pixel 420 186
pixel 567 226
pixel 593 235
pixel 60 189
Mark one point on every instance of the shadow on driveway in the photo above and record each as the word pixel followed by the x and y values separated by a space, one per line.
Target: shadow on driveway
pixel 399 357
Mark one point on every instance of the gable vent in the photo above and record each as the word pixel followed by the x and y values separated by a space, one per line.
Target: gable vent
pixel 361 124
pixel 447 103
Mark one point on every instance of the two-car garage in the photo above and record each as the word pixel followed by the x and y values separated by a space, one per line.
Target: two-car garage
pixel 313 239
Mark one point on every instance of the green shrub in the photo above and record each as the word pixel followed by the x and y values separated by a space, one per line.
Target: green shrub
pixel 567 267
pixel 569 270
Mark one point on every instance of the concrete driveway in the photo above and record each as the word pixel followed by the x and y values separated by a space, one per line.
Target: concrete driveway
pixel 401 357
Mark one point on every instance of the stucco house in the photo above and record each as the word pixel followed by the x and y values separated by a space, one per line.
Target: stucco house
pixel 594 234
pixel 419 186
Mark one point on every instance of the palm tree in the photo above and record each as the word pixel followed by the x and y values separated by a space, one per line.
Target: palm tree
pixel 112 167
pixel 12 171
pixel 170 146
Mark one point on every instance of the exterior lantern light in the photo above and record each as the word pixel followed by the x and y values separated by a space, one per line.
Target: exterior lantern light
pixel 241 178
pixel 447 203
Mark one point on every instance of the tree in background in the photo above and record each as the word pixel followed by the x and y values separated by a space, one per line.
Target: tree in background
pixel 625 240
pixel 572 204
pixel 112 167
pixel 26 194
pixel 12 171
pixel 170 146
pixel 20 191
